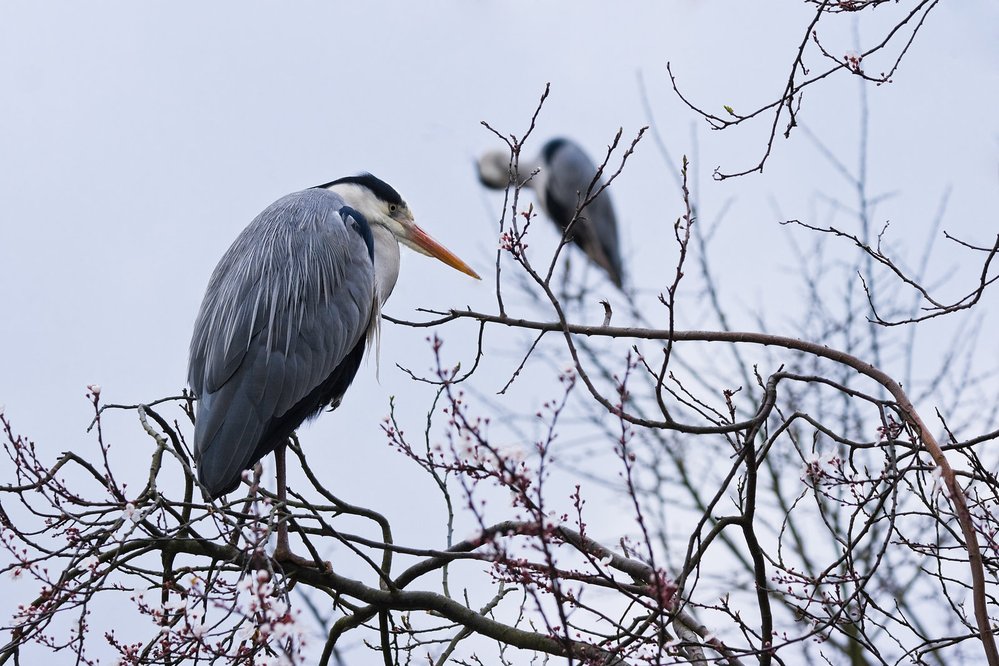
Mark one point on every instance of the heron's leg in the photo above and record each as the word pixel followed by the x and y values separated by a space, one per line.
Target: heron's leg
pixel 282 493
pixel 566 275
pixel 569 297
pixel 283 551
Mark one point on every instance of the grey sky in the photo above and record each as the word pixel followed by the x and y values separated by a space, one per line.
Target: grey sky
pixel 137 140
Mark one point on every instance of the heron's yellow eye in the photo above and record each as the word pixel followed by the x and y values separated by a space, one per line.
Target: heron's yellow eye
pixel 393 208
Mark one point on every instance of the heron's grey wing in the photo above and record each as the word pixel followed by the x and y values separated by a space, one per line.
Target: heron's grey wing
pixel 570 173
pixel 288 303
pixel 603 224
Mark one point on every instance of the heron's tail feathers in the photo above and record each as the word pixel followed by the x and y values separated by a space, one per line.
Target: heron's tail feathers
pixel 226 432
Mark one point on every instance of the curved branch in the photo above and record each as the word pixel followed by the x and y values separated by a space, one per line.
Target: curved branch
pixel 905 406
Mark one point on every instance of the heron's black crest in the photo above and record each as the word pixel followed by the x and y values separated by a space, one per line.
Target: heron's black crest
pixel 360 224
pixel 379 187
pixel 549 149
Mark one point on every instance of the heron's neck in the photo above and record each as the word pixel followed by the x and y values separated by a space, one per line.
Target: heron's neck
pixel 386 261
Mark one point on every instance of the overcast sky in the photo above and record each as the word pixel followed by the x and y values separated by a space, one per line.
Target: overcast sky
pixel 137 140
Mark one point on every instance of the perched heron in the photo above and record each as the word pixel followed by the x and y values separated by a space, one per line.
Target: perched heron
pixel 564 176
pixel 287 315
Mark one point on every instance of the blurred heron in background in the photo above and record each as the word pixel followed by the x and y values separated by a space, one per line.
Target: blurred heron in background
pixel 564 175
pixel 286 318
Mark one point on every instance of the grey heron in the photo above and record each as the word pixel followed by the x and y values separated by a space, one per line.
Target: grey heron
pixel 564 175
pixel 286 318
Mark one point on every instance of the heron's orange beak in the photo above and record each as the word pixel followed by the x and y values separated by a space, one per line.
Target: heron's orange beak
pixel 421 241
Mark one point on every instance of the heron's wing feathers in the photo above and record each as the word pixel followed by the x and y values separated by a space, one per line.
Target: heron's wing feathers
pixel 570 173
pixel 288 303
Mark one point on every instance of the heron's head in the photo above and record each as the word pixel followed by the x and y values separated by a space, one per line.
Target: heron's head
pixel 494 169
pixel 381 205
